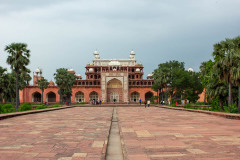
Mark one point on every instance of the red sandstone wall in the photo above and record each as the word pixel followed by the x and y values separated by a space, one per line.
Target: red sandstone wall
pixel 201 99
pixel 29 92
pixel 141 91
pixel 86 92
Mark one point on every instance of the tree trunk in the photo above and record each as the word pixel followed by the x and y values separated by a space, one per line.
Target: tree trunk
pixel 23 96
pixel 165 95
pixel 239 98
pixel 230 93
pixel 17 92
pixel 221 104
pixel 162 94
pixel 157 97
pixel 204 96
pixel 42 96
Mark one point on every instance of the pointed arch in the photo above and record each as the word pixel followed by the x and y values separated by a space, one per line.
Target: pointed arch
pixel 79 97
pixel 114 83
pixel 135 96
pixel 36 97
pixel 148 95
pixel 93 96
pixel 51 97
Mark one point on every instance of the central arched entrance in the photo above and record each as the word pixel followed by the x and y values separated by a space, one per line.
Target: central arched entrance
pixel 114 97
pixel 114 91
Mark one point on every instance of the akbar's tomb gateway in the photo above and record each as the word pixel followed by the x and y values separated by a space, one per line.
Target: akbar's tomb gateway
pixel 110 80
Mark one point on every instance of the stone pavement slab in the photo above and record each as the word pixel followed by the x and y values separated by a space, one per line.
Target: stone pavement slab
pixel 158 133
pixel 69 134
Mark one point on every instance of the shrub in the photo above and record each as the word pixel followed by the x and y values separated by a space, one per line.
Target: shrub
pixel 25 107
pixel 231 108
pixel 174 105
pixel 215 105
pixel 41 107
pixel 81 103
pixel 173 101
pixel 187 105
pixel 1 108
pixel 54 106
pixel 7 108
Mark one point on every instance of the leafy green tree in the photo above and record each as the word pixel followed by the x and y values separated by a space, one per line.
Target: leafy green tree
pixel 205 74
pixel 18 59
pixel 9 92
pixel 64 81
pixel 179 83
pixel 156 86
pixel 163 75
pixel 42 84
pixel 192 86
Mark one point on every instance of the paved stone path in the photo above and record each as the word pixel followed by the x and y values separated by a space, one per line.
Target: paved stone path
pixel 69 134
pixel 155 133
pixel 147 134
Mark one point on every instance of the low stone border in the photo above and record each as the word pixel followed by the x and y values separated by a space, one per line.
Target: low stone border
pixel 201 106
pixel 15 114
pixel 220 114
pixel 109 105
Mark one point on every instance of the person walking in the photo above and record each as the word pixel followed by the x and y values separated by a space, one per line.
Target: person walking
pixel 140 101
pixel 148 102
pixel 145 102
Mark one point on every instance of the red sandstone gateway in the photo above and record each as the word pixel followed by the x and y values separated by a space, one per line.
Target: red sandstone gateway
pixel 106 79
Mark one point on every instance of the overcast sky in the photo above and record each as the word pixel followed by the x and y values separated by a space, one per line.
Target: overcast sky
pixel 65 33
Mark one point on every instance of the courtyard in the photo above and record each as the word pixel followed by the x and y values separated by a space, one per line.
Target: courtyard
pixel 146 134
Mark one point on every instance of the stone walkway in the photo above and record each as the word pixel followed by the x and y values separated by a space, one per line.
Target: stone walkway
pixel 69 134
pixel 154 133
pixel 81 133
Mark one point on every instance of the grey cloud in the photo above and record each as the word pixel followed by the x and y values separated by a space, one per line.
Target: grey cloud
pixel 65 33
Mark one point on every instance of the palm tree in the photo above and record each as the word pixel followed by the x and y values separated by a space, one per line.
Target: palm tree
pixel 24 79
pixel 235 70
pixel 223 56
pixel 42 84
pixel 2 80
pixel 217 88
pixel 18 59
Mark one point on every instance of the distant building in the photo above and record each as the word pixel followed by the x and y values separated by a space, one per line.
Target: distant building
pixel 119 80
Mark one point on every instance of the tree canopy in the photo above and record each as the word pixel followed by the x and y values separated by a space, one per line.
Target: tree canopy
pixel 18 59
pixel 179 84
pixel 64 81
pixel 42 84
